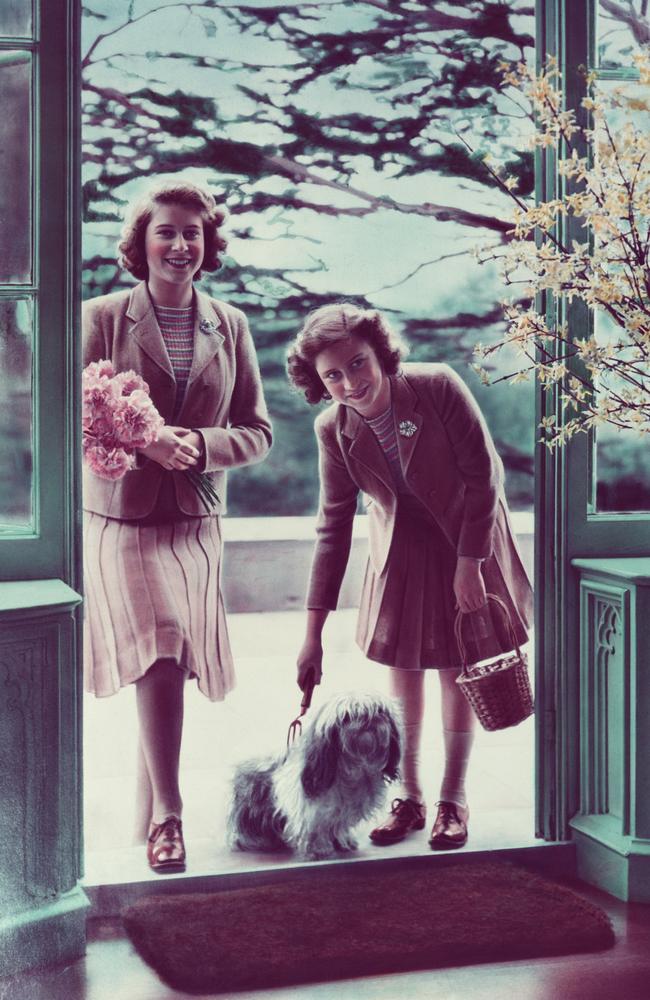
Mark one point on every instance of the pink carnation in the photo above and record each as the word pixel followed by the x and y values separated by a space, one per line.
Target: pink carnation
pixel 136 421
pixel 98 370
pixel 108 463
pixel 101 426
pixel 131 382
pixel 98 394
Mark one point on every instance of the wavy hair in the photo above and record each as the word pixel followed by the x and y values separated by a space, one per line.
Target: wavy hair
pixel 329 325
pixel 131 248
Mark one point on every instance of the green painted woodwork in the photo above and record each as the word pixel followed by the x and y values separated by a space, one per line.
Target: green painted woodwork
pixel 556 775
pixel 24 598
pixel 39 775
pixel 635 569
pixel 51 551
pixel 52 932
pixel 42 908
pixel 612 824
pixel 566 526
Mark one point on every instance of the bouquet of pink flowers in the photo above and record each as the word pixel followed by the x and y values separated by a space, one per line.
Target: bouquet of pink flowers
pixel 118 417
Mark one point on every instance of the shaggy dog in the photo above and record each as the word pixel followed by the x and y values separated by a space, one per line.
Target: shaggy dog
pixel 311 797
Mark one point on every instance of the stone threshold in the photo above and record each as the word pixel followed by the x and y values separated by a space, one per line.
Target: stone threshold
pixel 114 879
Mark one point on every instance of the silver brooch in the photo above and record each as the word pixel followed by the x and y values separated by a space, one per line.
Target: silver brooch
pixel 407 428
pixel 207 326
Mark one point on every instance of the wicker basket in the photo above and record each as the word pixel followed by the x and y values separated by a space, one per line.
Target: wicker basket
pixel 499 692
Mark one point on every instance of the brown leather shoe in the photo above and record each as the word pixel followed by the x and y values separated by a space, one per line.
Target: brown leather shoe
pixel 450 828
pixel 165 847
pixel 405 815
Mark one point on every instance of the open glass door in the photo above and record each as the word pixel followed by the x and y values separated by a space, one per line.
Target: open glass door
pixel 593 541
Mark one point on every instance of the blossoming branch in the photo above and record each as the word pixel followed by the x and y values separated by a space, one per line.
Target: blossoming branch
pixel 608 192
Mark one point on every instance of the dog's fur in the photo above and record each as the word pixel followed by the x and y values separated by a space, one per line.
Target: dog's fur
pixel 311 797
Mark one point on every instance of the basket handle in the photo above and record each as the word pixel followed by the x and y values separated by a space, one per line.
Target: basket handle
pixel 458 625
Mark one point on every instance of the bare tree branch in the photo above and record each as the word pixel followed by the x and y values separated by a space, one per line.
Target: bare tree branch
pixel 637 23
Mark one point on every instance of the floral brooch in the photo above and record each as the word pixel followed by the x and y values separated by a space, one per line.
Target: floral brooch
pixel 407 428
pixel 207 326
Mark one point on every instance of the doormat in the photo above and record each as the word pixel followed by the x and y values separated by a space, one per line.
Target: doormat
pixel 345 924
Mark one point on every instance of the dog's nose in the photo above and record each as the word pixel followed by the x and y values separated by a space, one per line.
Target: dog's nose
pixel 366 743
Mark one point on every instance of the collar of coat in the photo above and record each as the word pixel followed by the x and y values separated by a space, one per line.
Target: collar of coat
pixel 146 332
pixel 363 445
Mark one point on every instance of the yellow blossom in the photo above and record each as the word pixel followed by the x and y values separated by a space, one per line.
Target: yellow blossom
pixel 608 193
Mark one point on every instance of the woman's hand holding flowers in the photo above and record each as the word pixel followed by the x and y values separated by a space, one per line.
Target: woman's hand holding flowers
pixel 469 587
pixel 120 418
pixel 174 448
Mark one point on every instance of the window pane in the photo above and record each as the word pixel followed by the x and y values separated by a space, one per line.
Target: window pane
pixel 15 161
pixel 621 466
pixel 621 29
pixel 16 416
pixel 16 18
pixel 622 471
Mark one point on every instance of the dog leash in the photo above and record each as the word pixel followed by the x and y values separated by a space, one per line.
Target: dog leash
pixel 295 728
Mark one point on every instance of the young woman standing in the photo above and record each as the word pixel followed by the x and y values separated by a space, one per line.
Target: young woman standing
pixel 154 609
pixel 414 441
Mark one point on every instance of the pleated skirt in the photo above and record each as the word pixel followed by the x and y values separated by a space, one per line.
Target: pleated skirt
pixel 407 613
pixel 153 592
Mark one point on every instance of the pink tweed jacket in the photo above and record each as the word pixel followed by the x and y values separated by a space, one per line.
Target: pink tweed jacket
pixel 449 462
pixel 223 400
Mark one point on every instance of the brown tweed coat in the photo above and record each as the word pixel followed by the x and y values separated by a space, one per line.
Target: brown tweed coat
pixel 223 400
pixel 450 464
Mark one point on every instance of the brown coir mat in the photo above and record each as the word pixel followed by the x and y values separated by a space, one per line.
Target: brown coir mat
pixel 349 924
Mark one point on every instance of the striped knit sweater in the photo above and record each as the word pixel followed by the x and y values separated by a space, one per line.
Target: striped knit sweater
pixel 383 427
pixel 177 328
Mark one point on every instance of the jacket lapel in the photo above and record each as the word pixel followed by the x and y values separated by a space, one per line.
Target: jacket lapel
pixel 364 447
pixel 145 329
pixel 408 419
pixel 208 338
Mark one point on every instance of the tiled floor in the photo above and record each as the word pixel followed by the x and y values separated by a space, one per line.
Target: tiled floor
pixel 253 720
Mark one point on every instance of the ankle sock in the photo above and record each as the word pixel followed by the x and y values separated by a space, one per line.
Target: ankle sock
pixel 410 764
pixel 407 686
pixel 458 747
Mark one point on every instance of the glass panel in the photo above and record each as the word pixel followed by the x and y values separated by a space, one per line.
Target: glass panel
pixel 622 471
pixel 621 29
pixel 16 416
pixel 16 18
pixel 622 467
pixel 15 162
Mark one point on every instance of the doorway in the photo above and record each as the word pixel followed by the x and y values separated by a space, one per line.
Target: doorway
pixel 379 206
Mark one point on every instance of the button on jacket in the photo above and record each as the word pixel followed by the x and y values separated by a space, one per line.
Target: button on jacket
pixel 223 399
pixel 449 463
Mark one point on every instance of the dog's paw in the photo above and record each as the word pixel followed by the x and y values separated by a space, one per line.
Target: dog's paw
pixel 318 851
pixel 346 843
